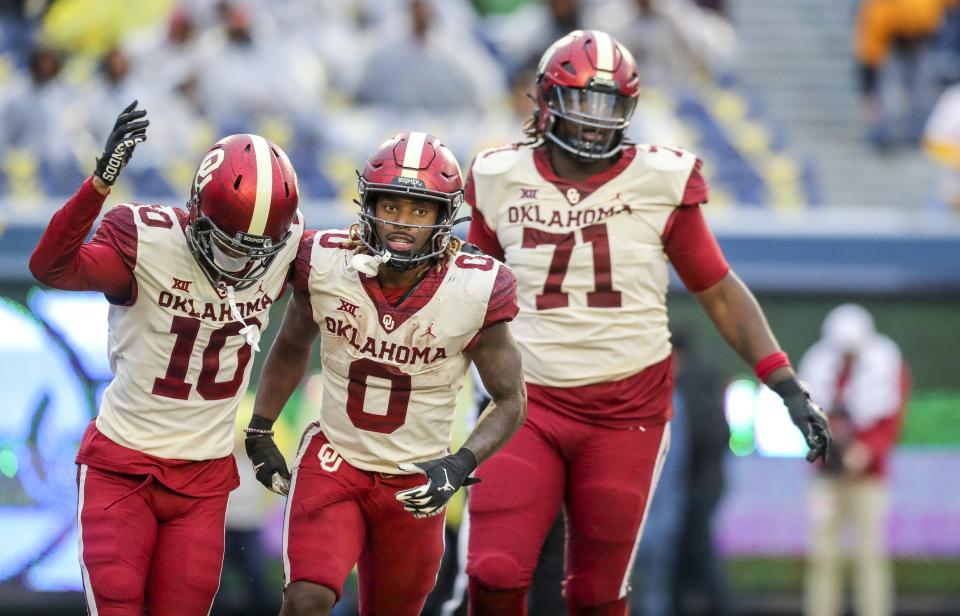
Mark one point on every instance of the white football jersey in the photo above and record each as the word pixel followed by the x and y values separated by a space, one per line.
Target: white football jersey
pixel 180 362
pixel 591 269
pixel 391 374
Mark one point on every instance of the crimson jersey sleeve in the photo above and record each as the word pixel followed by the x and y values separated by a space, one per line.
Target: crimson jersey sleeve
pixel 300 274
pixel 881 437
pixel 63 261
pixel 480 234
pixel 696 191
pixel 693 250
pixel 502 305
pixel 503 299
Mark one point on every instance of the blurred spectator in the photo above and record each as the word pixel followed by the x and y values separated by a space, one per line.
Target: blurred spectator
pixel 523 35
pixel 171 54
pixel 424 68
pixel 245 79
pixel 901 30
pixel 862 381
pixel 941 139
pixel 40 115
pixel 699 585
pixel 673 41
pixel 678 568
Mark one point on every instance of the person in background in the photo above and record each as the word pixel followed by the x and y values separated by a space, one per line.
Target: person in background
pixel 699 586
pixel 678 571
pixel 863 381
pixel 902 30
pixel 941 141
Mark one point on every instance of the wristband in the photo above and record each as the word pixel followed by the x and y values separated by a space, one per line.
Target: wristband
pixel 259 425
pixel 768 364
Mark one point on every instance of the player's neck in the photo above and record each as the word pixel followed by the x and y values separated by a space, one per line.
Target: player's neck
pixel 392 279
pixel 574 169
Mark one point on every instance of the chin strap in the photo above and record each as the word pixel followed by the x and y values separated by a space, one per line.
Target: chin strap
pixel 250 332
pixel 369 264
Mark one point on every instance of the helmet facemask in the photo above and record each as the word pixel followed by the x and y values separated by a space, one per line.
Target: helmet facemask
pixel 219 253
pixel 440 232
pixel 594 120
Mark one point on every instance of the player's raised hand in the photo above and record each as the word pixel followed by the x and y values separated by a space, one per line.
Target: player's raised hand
pixel 807 416
pixel 268 462
pixel 444 477
pixel 129 130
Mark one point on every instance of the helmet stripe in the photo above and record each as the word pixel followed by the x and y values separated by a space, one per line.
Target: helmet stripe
pixel 261 207
pixel 604 51
pixel 411 157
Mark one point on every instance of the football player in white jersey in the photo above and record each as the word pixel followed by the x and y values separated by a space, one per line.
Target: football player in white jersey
pixel 190 291
pixel 588 222
pixel 401 307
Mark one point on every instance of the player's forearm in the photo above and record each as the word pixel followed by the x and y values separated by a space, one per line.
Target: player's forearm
pixel 498 422
pixel 740 320
pixel 55 259
pixel 285 365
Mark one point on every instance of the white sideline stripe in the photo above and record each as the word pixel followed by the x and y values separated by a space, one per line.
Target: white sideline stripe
pixel 411 157
pixel 604 51
pixel 661 458
pixel 286 509
pixel 261 207
pixel 87 588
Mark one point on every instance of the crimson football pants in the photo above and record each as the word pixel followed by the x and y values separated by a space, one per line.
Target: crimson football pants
pixel 141 543
pixel 603 477
pixel 338 516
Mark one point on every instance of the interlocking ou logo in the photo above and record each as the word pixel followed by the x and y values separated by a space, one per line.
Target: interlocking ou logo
pixel 329 458
pixel 388 322
pixel 573 196
pixel 205 173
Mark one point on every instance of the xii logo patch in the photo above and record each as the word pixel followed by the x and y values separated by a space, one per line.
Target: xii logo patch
pixel 181 285
pixel 528 193
pixel 348 307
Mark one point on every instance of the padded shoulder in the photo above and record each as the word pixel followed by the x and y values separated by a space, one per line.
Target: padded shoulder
pixel 666 158
pixel 496 161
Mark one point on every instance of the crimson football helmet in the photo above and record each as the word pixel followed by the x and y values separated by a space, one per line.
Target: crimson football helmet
pixel 243 200
pixel 589 80
pixel 416 165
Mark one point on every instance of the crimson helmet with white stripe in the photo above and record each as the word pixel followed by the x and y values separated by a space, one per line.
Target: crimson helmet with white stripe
pixel 416 165
pixel 590 81
pixel 243 200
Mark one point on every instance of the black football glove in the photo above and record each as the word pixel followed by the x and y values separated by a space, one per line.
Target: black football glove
pixel 807 416
pixel 444 477
pixel 268 462
pixel 129 130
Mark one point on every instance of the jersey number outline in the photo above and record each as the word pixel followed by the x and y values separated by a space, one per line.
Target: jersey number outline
pixel 553 295
pixel 400 386
pixel 174 384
